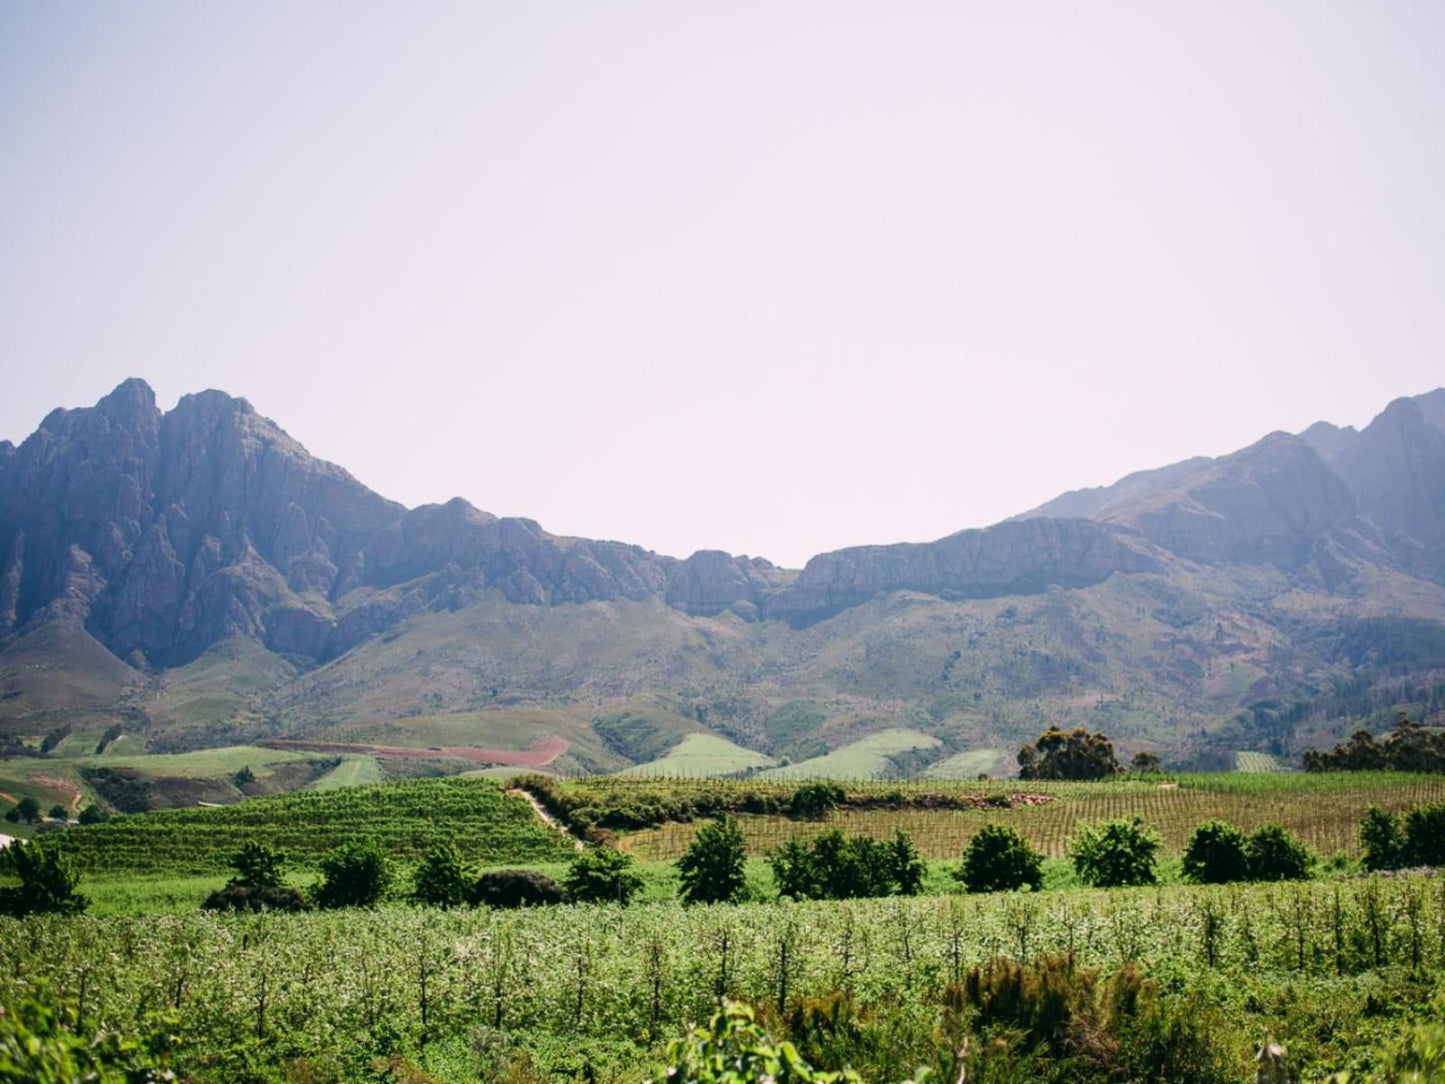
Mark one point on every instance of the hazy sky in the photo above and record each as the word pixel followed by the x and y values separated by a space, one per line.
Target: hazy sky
pixel 774 278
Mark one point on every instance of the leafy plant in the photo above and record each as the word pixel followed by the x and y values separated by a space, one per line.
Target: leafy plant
pixel 1215 854
pixel 47 882
pixel 258 865
pixel 1115 853
pixel 515 888
pixel 602 875
pixel 998 859
pixel 1381 840
pixel 1073 755
pixel 734 1049
pixel 713 870
pixel 442 880
pixel 354 875
pixel 1275 855
pixel 814 800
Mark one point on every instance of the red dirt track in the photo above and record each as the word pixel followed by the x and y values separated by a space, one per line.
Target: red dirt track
pixel 541 752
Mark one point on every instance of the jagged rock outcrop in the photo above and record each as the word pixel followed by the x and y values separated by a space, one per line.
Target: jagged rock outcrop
pixel 1018 557
pixel 711 581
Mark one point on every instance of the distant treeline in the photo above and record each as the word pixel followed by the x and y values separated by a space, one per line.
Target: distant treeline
pixel 1407 748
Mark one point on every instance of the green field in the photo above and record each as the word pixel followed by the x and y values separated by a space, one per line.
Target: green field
pixel 353 771
pixel 866 758
pixel 1256 762
pixel 702 755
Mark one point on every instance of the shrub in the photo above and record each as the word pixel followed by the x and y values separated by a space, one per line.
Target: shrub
pixel 814 800
pixel 47 882
pixel 733 1049
pixel 93 814
pixel 515 888
pixel 1215 854
pixel 40 1045
pixel 353 875
pixel 26 811
pixel 998 859
pixel 602 875
pixel 839 867
pixel 905 867
pixel 1381 840
pixel 1115 854
pixel 1275 855
pixel 59 813
pixel 258 865
pixel 242 897
pixel 441 880
pixel 713 868
pixel 1424 833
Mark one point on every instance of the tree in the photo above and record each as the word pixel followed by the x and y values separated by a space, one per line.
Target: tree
pixel 93 814
pixel 998 859
pixel 1075 755
pixel 258 865
pixel 1409 747
pixel 442 880
pixel 734 1049
pixel 793 870
pixel 47 882
pixel 1215 854
pixel 905 867
pixel 813 800
pixel 1115 853
pixel 515 888
pixel 1381 840
pixel 602 875
pixel 1144 762
pixel 59 813
pixel 1275 855
pixel 713 869
pixel 26 811
pixel 353 875
pixel 1425 836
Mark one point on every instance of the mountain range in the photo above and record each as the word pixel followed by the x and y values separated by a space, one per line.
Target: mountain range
pixel 196 578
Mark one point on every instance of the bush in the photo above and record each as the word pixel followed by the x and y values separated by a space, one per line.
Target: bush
pixel 1215 854
pixel 241 897
pixel 1381 840
pixel 713 869
pixel 1424 833
pixel 93 814
pixel 47 882
pixel 59 813
pixel 353 875
pixel 904 865
pixel 733 1049
pixel 40 1045
pixel 998 859
pixel 441 880
pixel 257 865
pixel 1115 854
pixel 515 888
pixel 814 800
pixel 602 875
pixel 1275 855
pixel 26 811
pixel 837 867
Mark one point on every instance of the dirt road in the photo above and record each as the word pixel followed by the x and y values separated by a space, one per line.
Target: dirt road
pixel 547 818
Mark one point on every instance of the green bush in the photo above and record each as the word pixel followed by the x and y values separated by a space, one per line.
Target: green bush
pixel 1115 854
pixel 93 814
pixel 515 888
pixel 998 859
pixel 733 1049
pixel 602 875
pixel 713 869
pixel 238 897
pixel 1215 854
pixel 26 811
pixel 442 880
pixel 47 882
pixel 1381 840
pixel 1275 855
pixel 906 867
pixel 1425 835
pixel 839 867
pixel 354 875
pixel 40 1045
pixel 814 800
pixel 258 865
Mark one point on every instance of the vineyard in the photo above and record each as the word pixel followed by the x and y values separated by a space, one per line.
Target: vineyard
pixel 1323 810
pixel 478 994
pixel 404 818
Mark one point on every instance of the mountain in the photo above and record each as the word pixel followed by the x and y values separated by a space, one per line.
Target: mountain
pixel 195 577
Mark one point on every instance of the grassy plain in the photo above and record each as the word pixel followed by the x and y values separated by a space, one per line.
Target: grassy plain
pixel 867 758
pixel 704 756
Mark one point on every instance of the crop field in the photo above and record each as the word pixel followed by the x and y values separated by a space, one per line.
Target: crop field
pixel 702 755
pixel 1256 762
pixel 473 994
pixel 405 818
pixel 866 758
pixel 353 771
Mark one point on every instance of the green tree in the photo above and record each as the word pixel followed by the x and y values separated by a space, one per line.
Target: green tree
pixel 515 888
pixel 93 814
pixel 1144 762
pixel 998 859
pixel 59 813
pixel 905 866
pixel 1275 855
pixel 442 880
pixel 814 800
pixel 1075 755
pixel 1115 853
pixel 353 875
pixel 733 1049
pixel 26 811
pixel 258 865
pixel 1424 834
pixel 602 875
pixel 793 870
pixel 713 869
pixel 1381 840
pixel 47 882
pixel 1215 854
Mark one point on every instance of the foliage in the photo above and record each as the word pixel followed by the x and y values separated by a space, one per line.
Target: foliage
pixel 814 800
pixel 258 865
pixel 93 814
pixel 47 882
pixel 515 888
pixel 998 859
pixel 42 1045
pixel 1215 854
pixel 734 1049
pixel 1407 748
pixel 58 812
pixel 1115 853
pixel 713 870
pixel 1272 854
pixel 602 875
pixel 354 875
pixel 1145 762
pixel 442 879
pixel 1389 844
pixel 26 811
pixel 838 867
pixel 1075 755
pixel 1425 835
pixel 1382 843
pixel 244 897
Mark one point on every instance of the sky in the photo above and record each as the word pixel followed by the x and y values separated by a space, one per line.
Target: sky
pixel 770 278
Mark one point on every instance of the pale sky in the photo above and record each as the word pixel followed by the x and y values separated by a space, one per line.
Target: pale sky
pixel 770 277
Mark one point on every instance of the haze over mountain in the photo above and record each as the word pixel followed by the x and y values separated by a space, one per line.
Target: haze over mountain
pixel 1210 604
